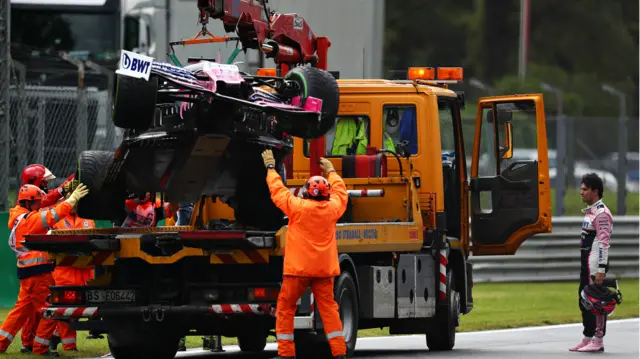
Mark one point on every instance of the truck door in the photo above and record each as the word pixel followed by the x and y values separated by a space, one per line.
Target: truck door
pixel 510 190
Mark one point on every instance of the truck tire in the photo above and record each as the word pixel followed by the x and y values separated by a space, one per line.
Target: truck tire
pixel 137 343
pixel 442 335
pixel 322 85
pixel 104 201
pixel 135 102
pixel 346 295
pixel 252 342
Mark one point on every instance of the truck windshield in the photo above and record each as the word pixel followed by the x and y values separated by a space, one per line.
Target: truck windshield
pixel 41 30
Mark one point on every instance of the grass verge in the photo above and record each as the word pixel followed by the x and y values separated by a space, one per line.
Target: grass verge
pixel 497 306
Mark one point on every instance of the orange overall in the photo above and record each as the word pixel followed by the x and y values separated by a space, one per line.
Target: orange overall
pixel 71 276
pixel 310 259
pixel 34 272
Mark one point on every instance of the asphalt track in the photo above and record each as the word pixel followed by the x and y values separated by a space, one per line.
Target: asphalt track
pixel 621 342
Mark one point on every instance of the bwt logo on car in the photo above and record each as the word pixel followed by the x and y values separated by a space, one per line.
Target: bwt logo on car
pixel 137 65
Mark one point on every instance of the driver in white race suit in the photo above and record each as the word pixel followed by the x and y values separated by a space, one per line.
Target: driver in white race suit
pixel 597 227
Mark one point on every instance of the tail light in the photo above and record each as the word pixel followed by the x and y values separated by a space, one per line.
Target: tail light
pixel 66 297
pixel 263 294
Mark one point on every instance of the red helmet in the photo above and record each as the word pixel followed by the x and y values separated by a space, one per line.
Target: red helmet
pixel 599 299
pixel 29 192
pixel 37 175
pixel 317 187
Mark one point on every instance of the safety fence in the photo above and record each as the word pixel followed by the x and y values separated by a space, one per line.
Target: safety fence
pixel 57 107
pixel 556 256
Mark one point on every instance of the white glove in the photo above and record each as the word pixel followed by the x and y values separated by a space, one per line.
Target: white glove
pixel 77 194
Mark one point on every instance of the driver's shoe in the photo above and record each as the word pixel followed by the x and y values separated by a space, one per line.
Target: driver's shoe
pixel 596 345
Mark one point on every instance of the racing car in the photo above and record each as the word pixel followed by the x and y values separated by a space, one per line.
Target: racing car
pixel 199 130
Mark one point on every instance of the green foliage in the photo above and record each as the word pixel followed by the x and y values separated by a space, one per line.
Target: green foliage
pixel 574 47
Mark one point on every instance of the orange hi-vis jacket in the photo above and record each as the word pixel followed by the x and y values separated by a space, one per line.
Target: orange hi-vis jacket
pixel 310 249
pixel 67 275
pixel 31 263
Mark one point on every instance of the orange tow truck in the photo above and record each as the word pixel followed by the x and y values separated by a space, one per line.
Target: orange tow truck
pixel 414 218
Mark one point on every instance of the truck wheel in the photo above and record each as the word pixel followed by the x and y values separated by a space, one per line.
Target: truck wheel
pixel 319 84
pixel 122 351
pixel 442 336
pixel 105 201
pixel 254 342
pixel 142 345
pixel 135 102
pixel 345 294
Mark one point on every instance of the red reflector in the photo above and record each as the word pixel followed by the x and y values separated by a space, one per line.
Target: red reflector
pixel 69 295
pixel 66 297
pixel 212 235
pixel 260 292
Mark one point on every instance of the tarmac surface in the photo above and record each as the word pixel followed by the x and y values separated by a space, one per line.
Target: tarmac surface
pixel 621 342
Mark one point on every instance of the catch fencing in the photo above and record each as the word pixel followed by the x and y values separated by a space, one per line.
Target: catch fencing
pixel 58 106
pixel 556 256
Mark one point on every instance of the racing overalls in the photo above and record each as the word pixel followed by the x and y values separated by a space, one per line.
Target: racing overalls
pixel 597 227
pixel 71 276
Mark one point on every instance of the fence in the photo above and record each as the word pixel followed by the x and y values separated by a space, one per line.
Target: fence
pixel 58 107
pixel 556 256
pixel 584 145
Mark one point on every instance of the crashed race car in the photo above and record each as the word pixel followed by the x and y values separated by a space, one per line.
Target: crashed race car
pixel 199 130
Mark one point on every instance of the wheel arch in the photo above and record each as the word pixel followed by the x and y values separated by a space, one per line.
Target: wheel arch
pixel 457 266
pixel 347 265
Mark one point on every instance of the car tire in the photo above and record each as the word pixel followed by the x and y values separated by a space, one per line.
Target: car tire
pixel 105 201
pixel 320 84
pixel 135 102
pixel 138 342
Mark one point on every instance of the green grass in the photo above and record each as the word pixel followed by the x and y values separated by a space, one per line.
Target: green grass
pixel 573 204
pixel 497 306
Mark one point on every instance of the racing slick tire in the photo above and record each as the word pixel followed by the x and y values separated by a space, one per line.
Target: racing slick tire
pixel 105 201
pixel 442 335
pixel 346 295
pixel 252 342
pixel 320 84
pixel 135 102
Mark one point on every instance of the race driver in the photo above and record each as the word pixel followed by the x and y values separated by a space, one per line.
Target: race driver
pixel 311 252
pixel 34 267
pixel 597 227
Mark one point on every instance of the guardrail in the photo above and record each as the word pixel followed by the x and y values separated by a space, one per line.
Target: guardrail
pixel 556 256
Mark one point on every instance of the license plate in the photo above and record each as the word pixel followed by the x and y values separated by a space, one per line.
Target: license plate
pixel 113 296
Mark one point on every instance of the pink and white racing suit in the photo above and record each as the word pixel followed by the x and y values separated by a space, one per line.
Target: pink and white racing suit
pixel 597 227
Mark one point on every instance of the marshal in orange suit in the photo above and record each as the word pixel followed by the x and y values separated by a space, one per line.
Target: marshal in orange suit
pixel 311 252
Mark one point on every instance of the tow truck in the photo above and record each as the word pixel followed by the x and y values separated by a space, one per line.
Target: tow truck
pixel 414 217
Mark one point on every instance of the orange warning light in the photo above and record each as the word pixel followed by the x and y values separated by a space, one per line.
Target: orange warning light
pixel 450 73
pixel 421 73
pixel 267 71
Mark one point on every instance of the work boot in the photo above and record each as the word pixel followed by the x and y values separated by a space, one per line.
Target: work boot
pixel 596 345
pixel 53 344
pixel 585 341
pixel 50 353
pixel 26 349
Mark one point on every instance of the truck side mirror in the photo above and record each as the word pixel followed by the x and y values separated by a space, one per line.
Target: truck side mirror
pixel 131 33
pixel 506 151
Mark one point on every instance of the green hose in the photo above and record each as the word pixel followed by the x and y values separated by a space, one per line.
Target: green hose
pixel 175 60
pixel 233 56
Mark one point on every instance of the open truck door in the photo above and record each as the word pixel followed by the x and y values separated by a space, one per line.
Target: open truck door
pixel 510 190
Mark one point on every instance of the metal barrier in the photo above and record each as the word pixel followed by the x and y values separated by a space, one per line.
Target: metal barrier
pixel 556 256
